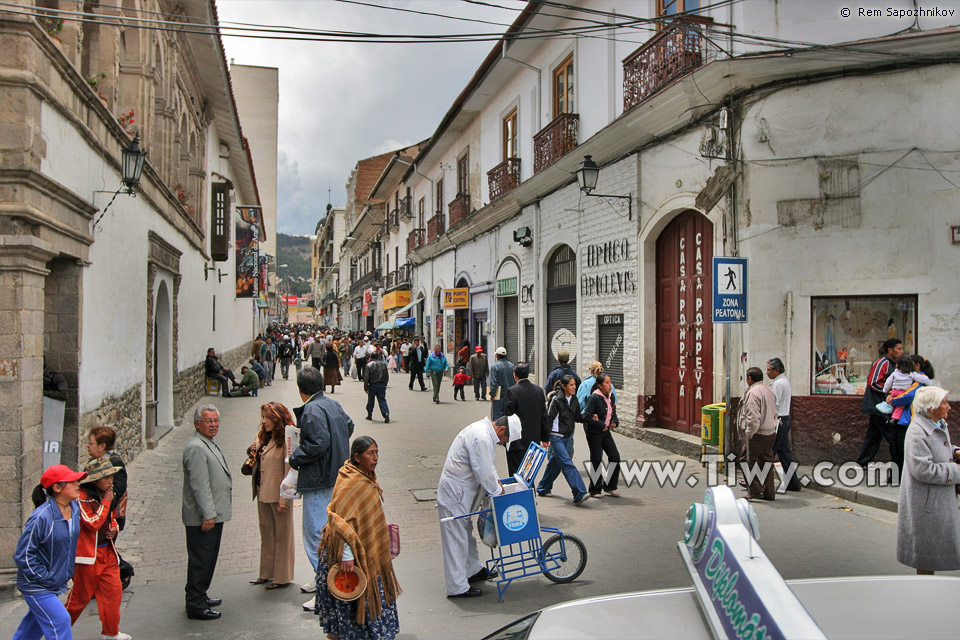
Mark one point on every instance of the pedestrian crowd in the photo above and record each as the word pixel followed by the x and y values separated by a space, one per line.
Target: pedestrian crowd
pixel 307 453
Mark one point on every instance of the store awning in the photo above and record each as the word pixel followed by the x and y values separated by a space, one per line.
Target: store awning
pixel 398 323
pixel 406 308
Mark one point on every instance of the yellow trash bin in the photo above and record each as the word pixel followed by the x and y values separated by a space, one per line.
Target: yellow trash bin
pixel 712 417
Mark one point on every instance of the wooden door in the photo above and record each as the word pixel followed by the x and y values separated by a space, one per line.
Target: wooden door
pixel 684 329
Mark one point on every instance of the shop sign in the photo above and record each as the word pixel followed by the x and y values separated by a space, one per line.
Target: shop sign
pixel 456 298
pixel 609 283
pixel 367 299
pixel 396 299
pixel 439 325
pixel 507 287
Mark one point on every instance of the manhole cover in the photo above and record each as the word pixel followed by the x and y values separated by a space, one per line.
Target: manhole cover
pixel 424 495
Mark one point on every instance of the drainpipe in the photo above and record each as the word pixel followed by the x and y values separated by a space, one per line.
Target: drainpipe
pixel 504 56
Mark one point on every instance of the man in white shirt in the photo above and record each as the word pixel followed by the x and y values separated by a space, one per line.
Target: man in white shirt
pixel 468 469
pixel 360 357
pixel 404 353
pixel 781 448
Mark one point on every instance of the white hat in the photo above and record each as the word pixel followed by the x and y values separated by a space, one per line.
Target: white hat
pixel 516 429
pixel 501 351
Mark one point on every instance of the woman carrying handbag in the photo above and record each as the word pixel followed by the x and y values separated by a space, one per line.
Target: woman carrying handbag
pixel 267 469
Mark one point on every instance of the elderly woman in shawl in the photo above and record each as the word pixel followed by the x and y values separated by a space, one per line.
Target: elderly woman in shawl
pixel 356 534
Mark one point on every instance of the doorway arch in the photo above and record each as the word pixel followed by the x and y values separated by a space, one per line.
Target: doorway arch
pixel 163 355
pixel 561 306
pixel 684 328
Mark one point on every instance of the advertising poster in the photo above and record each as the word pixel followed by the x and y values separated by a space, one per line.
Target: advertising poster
pixel 248 251
pixel 262 280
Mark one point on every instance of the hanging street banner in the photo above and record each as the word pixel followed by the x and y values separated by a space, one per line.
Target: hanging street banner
pixel 248 251
pixel 729 289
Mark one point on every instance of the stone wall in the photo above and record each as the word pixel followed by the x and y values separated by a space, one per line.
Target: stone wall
pixel 190 382
pixel 124 414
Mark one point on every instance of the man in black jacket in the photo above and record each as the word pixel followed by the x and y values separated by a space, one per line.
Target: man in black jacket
pixel 528 402
pixel 217 371
pixel 417 360
pixel 375 378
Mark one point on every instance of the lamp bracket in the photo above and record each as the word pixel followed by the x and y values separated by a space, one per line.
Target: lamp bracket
pixel 622 203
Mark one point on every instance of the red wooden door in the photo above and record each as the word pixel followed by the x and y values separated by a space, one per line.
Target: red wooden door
pixel 684 329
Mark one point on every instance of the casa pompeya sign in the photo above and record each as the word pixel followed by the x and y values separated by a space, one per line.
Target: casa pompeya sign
pixel 613 280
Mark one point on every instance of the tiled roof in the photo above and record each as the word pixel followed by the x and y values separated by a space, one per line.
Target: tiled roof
pixel 368 170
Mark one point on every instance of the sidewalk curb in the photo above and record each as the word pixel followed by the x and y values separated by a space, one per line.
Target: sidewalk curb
pixel 688 446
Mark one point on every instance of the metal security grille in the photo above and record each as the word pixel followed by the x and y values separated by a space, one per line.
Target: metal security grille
pixel 511 327
pixel 610 352
pixel 529 344
pixel 561 332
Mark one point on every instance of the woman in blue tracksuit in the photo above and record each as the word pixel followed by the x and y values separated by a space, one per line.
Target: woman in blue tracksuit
pixel 46 554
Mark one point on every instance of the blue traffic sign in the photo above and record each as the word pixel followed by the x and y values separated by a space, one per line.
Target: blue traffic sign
pixel 729 289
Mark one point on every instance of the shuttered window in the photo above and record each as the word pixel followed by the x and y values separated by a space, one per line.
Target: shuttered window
pixel 529 343
pixel 610 347
pixel 511 327
pixel 220 221
pixel 561 332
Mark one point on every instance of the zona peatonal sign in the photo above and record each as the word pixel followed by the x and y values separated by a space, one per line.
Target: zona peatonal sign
pixel 729 289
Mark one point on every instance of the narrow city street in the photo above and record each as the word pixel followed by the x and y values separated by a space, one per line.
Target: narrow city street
pixel 631 541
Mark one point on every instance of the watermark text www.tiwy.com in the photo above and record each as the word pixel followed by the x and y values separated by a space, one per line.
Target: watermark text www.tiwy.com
pixel 671 473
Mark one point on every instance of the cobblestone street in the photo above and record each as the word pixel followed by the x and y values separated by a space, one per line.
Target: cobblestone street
pixel 631 541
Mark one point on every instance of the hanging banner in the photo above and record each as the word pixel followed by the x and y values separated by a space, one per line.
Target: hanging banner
pixel 248 251
pixel 262 280
pixel 367 299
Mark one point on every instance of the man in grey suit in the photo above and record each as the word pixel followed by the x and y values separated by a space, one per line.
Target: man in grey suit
pixel 207 501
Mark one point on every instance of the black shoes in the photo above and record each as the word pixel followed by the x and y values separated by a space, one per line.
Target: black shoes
pixel 483 574
pixel 472 592
pixel 386 419
pixel 368 417
pixel 214 602
pixel 206 614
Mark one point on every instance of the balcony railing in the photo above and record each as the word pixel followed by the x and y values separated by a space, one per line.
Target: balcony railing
pixel 367 280
pixel 435 227
pixel 399 278
pixel 503 177
pixel 555 140
pixel 393 219
pixel 415 240
pixel 673 52
pixel 459 209
pixel 406 208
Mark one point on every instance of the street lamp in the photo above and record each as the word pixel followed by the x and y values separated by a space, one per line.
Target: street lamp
pixel 133 157
pixel 588 173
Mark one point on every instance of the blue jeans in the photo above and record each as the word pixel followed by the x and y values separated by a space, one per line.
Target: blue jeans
pixel 562 460
pixel 314 520
pixel 377 391
pixel 497 409
pixel 46 618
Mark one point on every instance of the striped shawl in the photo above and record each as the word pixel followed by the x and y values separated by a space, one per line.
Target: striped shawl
pixel 356 510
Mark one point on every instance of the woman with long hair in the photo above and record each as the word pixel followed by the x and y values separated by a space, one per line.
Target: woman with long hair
pixel 599 419
pixel 98 572
pixel 356 535
pixel 46 553
pixel 274 513
pixel 331 368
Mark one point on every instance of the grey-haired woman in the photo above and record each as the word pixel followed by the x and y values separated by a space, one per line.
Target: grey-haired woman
pixel 928 522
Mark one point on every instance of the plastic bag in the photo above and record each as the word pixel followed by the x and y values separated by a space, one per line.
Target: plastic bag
pixel 885 408
pixel 288 488
pixel 486 523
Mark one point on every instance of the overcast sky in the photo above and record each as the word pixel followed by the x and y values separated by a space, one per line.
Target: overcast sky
pixel 342 102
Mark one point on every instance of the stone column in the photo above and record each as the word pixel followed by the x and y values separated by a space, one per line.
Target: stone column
pixel 23 271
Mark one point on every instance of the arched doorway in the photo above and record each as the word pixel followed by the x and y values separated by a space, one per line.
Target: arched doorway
pixel 461 321
pixel 684 328
pixel 163 356
pixel 561 306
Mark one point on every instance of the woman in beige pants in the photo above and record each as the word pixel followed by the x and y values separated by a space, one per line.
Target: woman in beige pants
pixel 273 512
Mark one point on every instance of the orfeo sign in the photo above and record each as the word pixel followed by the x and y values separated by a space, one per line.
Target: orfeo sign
pixel 729 289
pixel 456 298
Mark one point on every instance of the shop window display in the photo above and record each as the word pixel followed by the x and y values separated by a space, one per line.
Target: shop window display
pixel 847 334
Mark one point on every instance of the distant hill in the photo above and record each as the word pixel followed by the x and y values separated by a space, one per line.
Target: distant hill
pixel 294 251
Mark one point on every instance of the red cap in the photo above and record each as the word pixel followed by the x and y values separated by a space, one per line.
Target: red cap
pixel 478 349
pixel 60 473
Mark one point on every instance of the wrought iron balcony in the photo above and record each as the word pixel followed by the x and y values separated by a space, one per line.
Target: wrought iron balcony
pixel 673 52
pixel 415 240
pixel 435 227
pixel 367 280
pixel 555 140
pixel 503 177
pixel 406 208
pixel 459 208
pixel 399 278
pixel 393 220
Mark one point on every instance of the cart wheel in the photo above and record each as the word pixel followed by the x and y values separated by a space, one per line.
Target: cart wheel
pixel 572 565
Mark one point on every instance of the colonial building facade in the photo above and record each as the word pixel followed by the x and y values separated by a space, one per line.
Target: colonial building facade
pixel 120 294
pixel 720 132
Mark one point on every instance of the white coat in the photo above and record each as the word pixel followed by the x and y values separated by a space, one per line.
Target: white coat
pixel 469 467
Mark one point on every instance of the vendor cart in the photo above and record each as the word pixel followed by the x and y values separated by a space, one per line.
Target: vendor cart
pixel 509 524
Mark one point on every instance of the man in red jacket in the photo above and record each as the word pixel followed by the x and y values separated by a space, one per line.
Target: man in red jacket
pixel 878 429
